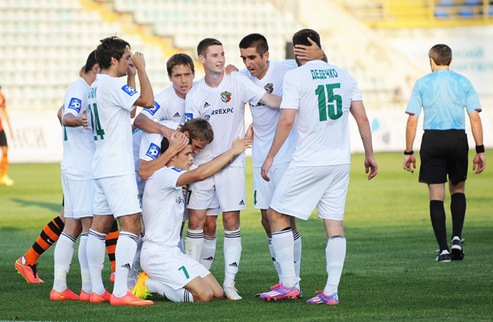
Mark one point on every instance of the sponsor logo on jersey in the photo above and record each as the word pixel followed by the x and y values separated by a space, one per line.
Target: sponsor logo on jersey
pixel 153 151
pixel 177 114
pixel 226 96
pixel 129 90
pixel 153 110
pixel 188 117
pixel 242 203
pixel 206 104
pixel 222 111
pixel 75 104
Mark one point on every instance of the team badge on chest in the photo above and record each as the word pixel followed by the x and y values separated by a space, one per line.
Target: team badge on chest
pixel 225 96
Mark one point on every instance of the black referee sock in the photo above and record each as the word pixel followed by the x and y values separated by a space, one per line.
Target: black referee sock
pixel 458 210
pixel 437 215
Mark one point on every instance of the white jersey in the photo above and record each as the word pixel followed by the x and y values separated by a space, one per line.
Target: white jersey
pixel 167 106
pixel 265 119
pixel 147 146
pixel 322 94
pixel 163 204
pixel 224 108
pixel 78 143
pixel 110 102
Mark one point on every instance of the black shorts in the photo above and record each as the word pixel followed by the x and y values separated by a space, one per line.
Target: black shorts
pixel 3 138
pixel 443 152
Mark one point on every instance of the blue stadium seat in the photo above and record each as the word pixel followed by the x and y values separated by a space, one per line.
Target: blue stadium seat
pixel 466 12
pixel 441 12
pixel 446 3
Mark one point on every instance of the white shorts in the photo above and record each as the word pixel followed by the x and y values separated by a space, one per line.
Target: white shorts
pixel 116 195
pixel 228 186
pixel 78 197
pixel 304 188
pixel 169 266
pixel 264 190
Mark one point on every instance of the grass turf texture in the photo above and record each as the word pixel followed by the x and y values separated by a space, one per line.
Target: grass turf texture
pixel 389 274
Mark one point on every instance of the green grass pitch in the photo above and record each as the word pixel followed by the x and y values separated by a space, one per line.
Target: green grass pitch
pixel 389 275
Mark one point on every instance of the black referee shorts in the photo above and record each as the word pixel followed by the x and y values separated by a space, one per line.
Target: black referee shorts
pixel 3 138
pixel 443 152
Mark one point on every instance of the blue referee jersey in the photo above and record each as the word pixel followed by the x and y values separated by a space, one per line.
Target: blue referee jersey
pixel 443 95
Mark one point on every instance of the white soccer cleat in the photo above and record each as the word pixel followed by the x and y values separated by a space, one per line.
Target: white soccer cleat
pixel 6 181
pixel 231 293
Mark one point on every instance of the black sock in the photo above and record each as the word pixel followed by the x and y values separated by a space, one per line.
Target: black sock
pixel 458 210
pixel 437 215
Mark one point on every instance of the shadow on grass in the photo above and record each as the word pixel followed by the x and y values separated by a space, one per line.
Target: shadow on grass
pixel 55 207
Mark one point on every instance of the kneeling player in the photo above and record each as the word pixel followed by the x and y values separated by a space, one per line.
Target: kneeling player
pixel 167 270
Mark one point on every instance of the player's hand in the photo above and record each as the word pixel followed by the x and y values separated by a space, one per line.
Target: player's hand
pixel 138 60
pixel 371 167
pixel 240 145
pixel 230 68
pixel 479 163
pixel 409 163
pixel 308 52
pixel 249 132
pixel 264 171
pixel 178 141
pixel 84 120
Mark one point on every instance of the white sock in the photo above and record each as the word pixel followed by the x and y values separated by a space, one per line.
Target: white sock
pixel 208 251
pixel 84 266
pixel 297 254
pixel 335 253
pixel 64 251
pixel 132 277
pixel 126 247
pixel 232 255
pixel 95 259
pixel 179 295
pixel 194 243
pixel 283 245
pixel 274 260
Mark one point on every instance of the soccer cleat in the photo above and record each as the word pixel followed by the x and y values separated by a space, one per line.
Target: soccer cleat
pixel 321 298
pixel 457 252
pixel 84 297
pixel 129 300
pixel 112 277
pixel 271 288
pixel 280 293
pixel 443 256
pixel 27 271
pixel 6 181
pixel 96 298
pixel 66 295
pixel 140 289
pixel 231 293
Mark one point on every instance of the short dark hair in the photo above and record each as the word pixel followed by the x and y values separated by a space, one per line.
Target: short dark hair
pixel 441 54
pixel 204 44
pixel 255 40
pixel 199 129
pixel 177 60
pixel 110 47
pixel 301 37
pixel 90 62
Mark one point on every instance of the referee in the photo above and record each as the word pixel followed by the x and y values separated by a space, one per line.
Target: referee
pixel 443 95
